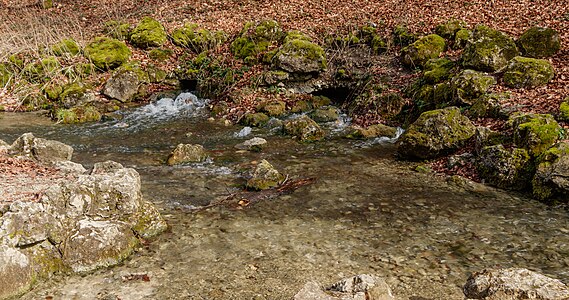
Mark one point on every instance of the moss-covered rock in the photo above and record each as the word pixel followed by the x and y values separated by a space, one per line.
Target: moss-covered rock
pixel 255 119
pixel 265 176
pixel 418 53
pixel 301 57
pixel 437 70
pixel 535 132
pixel 81 114
pixel 274 77
pixel 304 128
pixel 539 42
pixel 505 168
pixel 66 46
pixel 327 114
pixel 461 38
pixel 160 54
pixel 469 85
pixel 255 39
pixel 52 91
pixel 42 70
pixel 551 180
pixel 117 29
pixel 106 53
pixel 449 29
pixel 319 101
pixel 402 36
pixel 198 40
pixel 6 75
pixel 368 35
pixel 523 72
pixel 122 86
pixel 564 110
pixel 489 106
pixel 488 50
pixel 484 137
pixel 273 108
pixel 187 153
pixel 372 131
pixel 436 133
pixel 155 74
pixel 75 94
pixel 148 33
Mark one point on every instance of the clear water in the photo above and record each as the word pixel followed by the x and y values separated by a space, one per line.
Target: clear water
pixel 366 213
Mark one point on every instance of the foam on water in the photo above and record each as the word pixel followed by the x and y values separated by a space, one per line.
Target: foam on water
pixel 382 139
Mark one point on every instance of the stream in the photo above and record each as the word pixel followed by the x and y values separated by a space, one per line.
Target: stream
pixel 366 213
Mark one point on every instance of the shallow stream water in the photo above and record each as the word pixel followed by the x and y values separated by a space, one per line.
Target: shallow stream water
pixel 365 213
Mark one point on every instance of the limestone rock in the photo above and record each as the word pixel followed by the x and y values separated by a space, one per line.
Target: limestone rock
pixel 187 153
pixel 107 53
pixel 488 50
pixel 418 53
pixel 254 144
pixel 523 72
pixel 539 42
pixel 551 180
pixel 436 133
pixel 106 167
pixel 149 222
pixel 70 167
pixel 535 132
pixel 148 33
pixel 485 136
pixel 489 106
pixel 300 56
pixel 505 168
pixel 304 128
pixel 327 114
pixel 265 176
pixel 312 291
pixel 16 273
pixel 469 85
pixel 461 39
pixel 42 150
pixel 75 94
pixel 513 284
pixel 122 86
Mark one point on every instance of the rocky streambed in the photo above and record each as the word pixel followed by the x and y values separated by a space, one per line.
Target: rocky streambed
pixel 365 213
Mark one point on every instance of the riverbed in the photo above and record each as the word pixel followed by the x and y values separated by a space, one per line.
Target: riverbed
pixel 366 212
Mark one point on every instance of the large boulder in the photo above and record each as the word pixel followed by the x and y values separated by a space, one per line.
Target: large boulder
pixel 265 176
pixel 148 33
pixel 42 150
pixel 469 85
pixel 301 57
pixel 523 72
pixel 187 153
pixel 123 86
pixel 359 287
pixel 436 133
pixel 107 53
pixel 437 70
pixel 304 128
pixel 513 284
pixel 488 50
pixel 418 53
pixel 535 132
pixel 551 180
pixel 505 168
pixel 539 42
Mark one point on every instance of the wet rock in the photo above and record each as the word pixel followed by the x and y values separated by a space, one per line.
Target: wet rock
pixel 539 42
pixel 255 119
pixel 418 53
pixel 488 50
pixel 469 85
pixel 265 176
pixel 372 131
pixel 254 144
pixel 513 283
pixel 148 33
pixel 505 168
pixel 122 86
pixel 304 128
pixel 535 132
pixel 301 57
pixel 360 287
pixel 323 115
pixel 42 150
pixel 187 153
pixel 435 133
pixel 96 244
pixel 523 72
pixel 551 180
pixel 106 53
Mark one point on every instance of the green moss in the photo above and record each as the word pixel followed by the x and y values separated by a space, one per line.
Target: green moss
pixel 198 40
pixel 461 38
pixel 255 119
pixel 72 90
pixel 155 74
pixel 301 106
pixel 418 53
pixel 300 56
pixel 134 66
pixel 539 42
pixel 107 53
pixel 450 28
pixel 535 132
pixel 322 115
pixel 117 29
pixel 296 35
pixel 160 54
pixel 505 168
pixel 78 115
pixel 66 46
pixel 274 108
pixel 438 70
pixel 84 69
pixel 255 39
pixel 469 85
pixel 52 91
pixel 523 72
pixel 319 101
pixel 304 128
pixel 488 50
pixel 148 33
pixel 41 70
pixel 564 110
pixel 402 36
pixel 17 60
pixel 6 75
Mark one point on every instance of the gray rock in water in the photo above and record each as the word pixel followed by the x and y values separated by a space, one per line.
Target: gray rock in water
pixel 187 153
pixel 359 287
pixel 254 144
pixel 122 86
pixel 42 150
pixel 513 284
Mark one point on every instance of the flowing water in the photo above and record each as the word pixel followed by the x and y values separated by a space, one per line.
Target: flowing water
pixel 366 213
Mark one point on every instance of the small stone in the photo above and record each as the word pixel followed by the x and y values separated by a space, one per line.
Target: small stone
pixel 187 153
pixel 255 144
pixel 304 128
pixel 265 176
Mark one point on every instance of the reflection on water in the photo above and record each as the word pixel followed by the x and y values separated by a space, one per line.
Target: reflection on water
pixel 366 213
